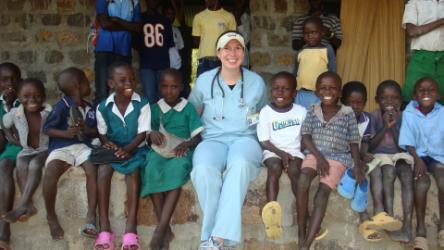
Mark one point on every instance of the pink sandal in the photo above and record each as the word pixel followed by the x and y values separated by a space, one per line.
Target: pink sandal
pixel 106 240
pixel 129 240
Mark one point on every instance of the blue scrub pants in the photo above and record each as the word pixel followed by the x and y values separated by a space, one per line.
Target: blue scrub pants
pixel 222 170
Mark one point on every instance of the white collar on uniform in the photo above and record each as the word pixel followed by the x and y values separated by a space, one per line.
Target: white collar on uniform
pixel 178 107
pixel 134 97
pixel 129 109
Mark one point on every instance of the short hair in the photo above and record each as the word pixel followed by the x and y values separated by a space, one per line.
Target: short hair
pixel 172 72
pixel 313 20
pixel 116 65
pixel 425 79
pixel 34 82
pixel 388 84
pixel 329 74
pixel 353 86
pixel 67 77
pixel 13 67
pixel 284 74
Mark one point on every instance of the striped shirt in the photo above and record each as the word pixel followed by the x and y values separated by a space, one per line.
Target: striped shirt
pixel 332 138
pixel 329 21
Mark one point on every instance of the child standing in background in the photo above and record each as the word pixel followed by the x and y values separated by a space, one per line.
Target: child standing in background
pixel 28 119
pixel 312 60
pixel 163 177
pixel 279 132
pixel 330 136
pixel 123 120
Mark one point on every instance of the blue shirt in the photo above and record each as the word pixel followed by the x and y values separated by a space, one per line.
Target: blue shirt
pixel 423 132
pixel 117 42
pixel 157 39
pixel 223 117
pixel 58 119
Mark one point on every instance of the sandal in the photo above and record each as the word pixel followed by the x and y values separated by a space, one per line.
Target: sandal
pixel 369 235
pixel 420 243
pixel 106 240
pixel 129 240
pixel 383 221
pixel 89 230
pixel 321 234
pixel 347 185
pixel 4 245
pixel 271 216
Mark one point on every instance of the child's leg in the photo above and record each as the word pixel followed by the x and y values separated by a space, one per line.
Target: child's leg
pixel 91 191
pixel 24 205
pixel 438 174
pixel 54 169
pixel 405 175
pixel 421 186
pixel 158 203
pixel 388 181
pixel 319 208
pixel 303 187
pixel 376 190
pixel 105 173
pixel 7 190
pixel 293 171
pixel 274 171
pixel 21 172
pixel 132 189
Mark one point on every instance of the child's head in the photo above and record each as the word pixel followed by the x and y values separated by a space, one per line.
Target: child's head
pixel 170 86
pixel 354 94
pixel 328 88
pixel 10 76
pixel 73 81
pixel 212 4
pixel 388 95
pixel 169 11
pixel 426 92
pixel 283 89
pixel 31 93
pixel 312 30
pixel 121 79
pixel 152 4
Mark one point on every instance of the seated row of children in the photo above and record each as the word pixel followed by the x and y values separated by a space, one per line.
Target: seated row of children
pixel 342 144
pixel 38 138
pixel 345 146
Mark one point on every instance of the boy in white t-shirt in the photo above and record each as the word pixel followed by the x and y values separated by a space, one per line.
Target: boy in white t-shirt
pixel 279 132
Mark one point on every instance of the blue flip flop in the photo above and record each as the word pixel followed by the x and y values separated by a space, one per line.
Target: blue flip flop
pixel 360 200
pixel 347 185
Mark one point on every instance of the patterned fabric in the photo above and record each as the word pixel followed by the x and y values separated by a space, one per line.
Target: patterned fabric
pixel 332 138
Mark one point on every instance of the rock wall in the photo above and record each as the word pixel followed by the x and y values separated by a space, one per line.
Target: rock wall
pixel 71 208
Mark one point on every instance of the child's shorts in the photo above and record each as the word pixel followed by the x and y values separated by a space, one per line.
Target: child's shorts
pixel 335 173
pixel 74 155
pixel 268 154
pixel 429 161
pixel 389 159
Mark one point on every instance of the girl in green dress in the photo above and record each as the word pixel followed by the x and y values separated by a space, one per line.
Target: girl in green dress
pixel 173 121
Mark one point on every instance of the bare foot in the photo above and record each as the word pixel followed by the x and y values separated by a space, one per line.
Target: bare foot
pixel 21 213
pixel 169 236
pixel 55 229
pixel 156 240
pixel 400 236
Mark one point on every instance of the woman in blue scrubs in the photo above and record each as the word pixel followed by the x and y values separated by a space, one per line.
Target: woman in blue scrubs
pixel 229 156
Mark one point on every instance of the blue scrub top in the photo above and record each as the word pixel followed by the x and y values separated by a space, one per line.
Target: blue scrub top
pixel 234 122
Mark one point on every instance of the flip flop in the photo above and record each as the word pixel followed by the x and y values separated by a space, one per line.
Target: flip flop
pixel 441 238
pixel 368 233
pixel 25 217
pixel 271 216
pixel 321 234
pixel 420 243
pixel 360 200
pixel 129 240
pixel 104 239
pixel 347 185
pixel 383 221
pixel 88 227
pixel 5 245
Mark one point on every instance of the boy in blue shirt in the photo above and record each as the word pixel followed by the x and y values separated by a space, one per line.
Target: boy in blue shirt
pixel 422 135
pixel 66 148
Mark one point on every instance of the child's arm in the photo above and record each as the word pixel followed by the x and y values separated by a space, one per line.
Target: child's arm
pixel 420 167
pixel 389 124
pixel 365 155
pixel 182 148
pixel 322 163
pixel 286 157
pixel 360 167
pixel 70 133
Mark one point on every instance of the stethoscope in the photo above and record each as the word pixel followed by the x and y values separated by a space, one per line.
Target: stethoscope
pixel 216 78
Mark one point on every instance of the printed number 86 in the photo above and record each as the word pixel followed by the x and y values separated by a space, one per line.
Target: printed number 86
pixel 153 35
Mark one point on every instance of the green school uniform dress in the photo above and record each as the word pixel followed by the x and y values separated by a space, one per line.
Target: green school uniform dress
pixel 11 150
pixel 122 132
pixel 161 174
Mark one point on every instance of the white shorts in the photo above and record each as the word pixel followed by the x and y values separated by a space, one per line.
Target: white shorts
pixel 389 159
pixel 74 155
pixel 268 154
